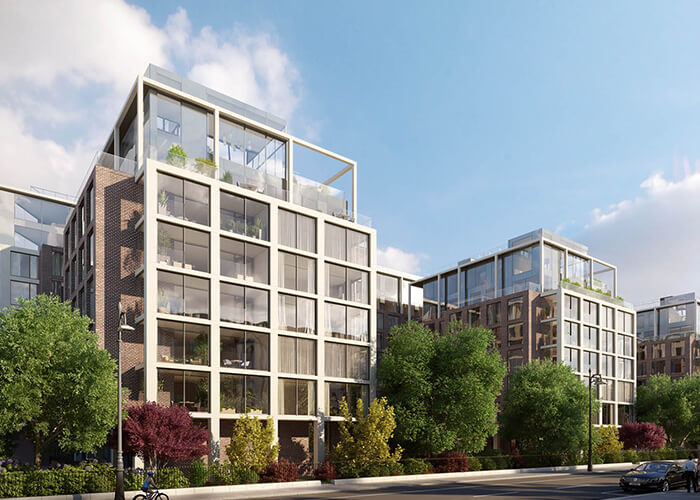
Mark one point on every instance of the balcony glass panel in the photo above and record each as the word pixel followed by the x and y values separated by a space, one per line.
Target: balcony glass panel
pixel 183 199
pixel 553 261
pixel 183 295
pixel 244 261
pixel 480 282
pixel 183 247
pixel 387 293
pixel 578 270
pixel 243 216
pixel 244 305
pixel 603 278
pixel 518 269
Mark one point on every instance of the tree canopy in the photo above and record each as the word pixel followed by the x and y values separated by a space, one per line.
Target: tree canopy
pixel 55 382
pixel 252 444
pixel 443 388
pixel 546 409
pixel 162 435
pixel 674 405
pixel 642 436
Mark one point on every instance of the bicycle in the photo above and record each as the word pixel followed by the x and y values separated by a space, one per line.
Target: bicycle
pixel 152 495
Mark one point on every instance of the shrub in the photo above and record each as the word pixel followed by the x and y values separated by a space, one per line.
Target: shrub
pixel 501 461
pixel 281 471
pixel 42 483
pixel 487 463
pixel 133 479
pixel 252 444
pixel 609 444
pixel 101 478
pixel 642 436
pixel 246 476
pixel 325 472
pixel 474 464
pixel 381 469
pixel 171 477
pixel 198 473
pixel 176 156
pixel 452 461
pixel 12 484
pixel 73 479
pixel 630 456
pixel 415 466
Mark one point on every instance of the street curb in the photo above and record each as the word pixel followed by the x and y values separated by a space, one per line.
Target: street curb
pixel 247 489
pixel 419 478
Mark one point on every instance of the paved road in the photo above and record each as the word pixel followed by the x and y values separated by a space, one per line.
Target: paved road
pixel 550 486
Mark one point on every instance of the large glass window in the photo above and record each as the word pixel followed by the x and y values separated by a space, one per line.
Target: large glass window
pixel 245 394
pixel 578 270
pixel 183 247
pixel 515 334
pixel 607 365
pixel 624 368
pixel 553 262
pixel 607 317
pixel 297 272
pixel 678 319
pixel 297 397
pixel 336 392
pixel 183 199
pixel 571 333
pixel 297 355
pixel 493 313
pixel 590 362
pixel 515 309
pixel 245 216
pixel 571 358
pixel 347 284
pixel 297 231
pixel 249 350
pixel 184 388
pixel 244 261
pixel 519 268
pixel 297 314
pixel 430 299
pixel 624 345
pixel 645 325
pixel 590 312
pixel 589 337
pixel 24 265
pixel 183 295
pixel 244 305
pixel 183 343
pixel 387 293
pixel 21 290
pixel 571 306
pixel 603 278
pixel 480 282
pixel 625 392
pixel 346 244
pixel 57 263
pixel 624 322
pixel 347 361
pixel 41 211
pixel 449 293
pixel 90 249
pixel 347 322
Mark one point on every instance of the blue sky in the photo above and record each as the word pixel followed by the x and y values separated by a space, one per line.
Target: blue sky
pixel 471 122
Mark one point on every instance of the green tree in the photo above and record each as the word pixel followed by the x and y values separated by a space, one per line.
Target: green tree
pixel 55 382
pixel 252 444
pixel 364 439
pixel 546 410
pixel 674 405
pixel 443 389
pixel 609 446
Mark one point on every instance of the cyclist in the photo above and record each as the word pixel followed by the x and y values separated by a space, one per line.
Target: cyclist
pixel 148 483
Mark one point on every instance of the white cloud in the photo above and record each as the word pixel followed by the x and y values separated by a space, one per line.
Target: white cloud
pixel 397 259
pixel 66 68
pixel 652 239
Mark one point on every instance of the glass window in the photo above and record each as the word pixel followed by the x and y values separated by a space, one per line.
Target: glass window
pixel 590 312
pixel 519 268
pixel 387 293
pixel 625 392
pixel 336 392
pixel 571 306
pixel 493 313
pixel 624 368
pixel 430 299
pixel 336 246
pixel 590 362
pixel 480 282
pixel 553 261
pixel 245 394
pixel 183 295
pixel 297 397
pixel 89 300
pixel 90 204
pixel 358 248
pixel 297 355
pixel 183 247
pixel 589 337
pixel 184 388
pixel 578 270
pixel 244 305
pixel 347 283
pixel 90 249
pixel 515 334
pixel 24 265
pixel 245 350
pixel 21 290
pixel 474 317
pixel 183 199
pixel 297 272
pixel 607 317
pixel 297 314
pixel 515 359
pixel 183 343
pixel 515 309
pixel 347 322
pixel 603 278
pixel 607 365
pixel 346 244
pixel 607 341
pixel 347 361
pixel 449 293
pixel 244 261
pixel 245 216
pixel 571 358
pixel 571 333
pixel 297 231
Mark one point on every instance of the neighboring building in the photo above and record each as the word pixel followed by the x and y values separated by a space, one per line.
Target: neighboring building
pixel 392 303
pixel 251 288
pixel 668 337
pixel 31 243
pixel 544 297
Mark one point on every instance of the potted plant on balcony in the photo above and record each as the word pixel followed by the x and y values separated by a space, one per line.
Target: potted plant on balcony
pixel 177 156
pixel 227 177
pixel 163 302
pixel 202 395
pixel 165 243
pixel 163 200
pixel 200 351
pixel 255 230
pixel 205 166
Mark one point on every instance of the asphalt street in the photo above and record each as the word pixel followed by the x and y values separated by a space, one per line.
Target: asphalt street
pixel 597 485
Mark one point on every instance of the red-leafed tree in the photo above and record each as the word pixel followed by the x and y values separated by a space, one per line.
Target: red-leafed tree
pixel 642 436
pixel 162 435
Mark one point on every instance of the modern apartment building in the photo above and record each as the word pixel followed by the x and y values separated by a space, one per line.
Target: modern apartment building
pixel 393 303
pixel 251 288
pixel 668 337
pixel 31 243
pixel 544 297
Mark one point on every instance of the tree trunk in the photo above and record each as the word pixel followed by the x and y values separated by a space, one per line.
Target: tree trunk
pixel 38 448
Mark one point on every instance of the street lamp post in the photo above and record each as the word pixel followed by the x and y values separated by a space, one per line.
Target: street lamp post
pixel 123 327
pixel 593 380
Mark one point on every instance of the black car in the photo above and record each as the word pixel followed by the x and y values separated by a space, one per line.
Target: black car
pixel 661 476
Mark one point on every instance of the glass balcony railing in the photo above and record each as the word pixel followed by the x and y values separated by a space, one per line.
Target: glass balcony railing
pixel 253 179
pixel 203 166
